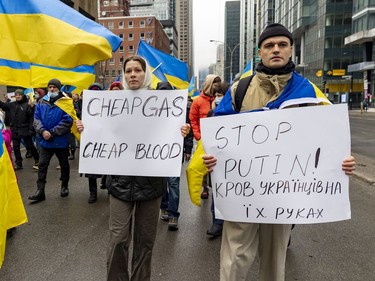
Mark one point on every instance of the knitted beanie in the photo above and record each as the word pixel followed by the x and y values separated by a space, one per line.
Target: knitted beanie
pixel 275 29
pixel 55 82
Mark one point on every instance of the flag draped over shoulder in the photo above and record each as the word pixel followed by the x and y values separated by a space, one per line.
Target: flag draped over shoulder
pixel 299 90
pixel 41 40
pixel 66 105
pixel 12 211
pixel 165 67
pixel 195 173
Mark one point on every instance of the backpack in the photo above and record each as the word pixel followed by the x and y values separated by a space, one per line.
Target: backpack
pixel 242 86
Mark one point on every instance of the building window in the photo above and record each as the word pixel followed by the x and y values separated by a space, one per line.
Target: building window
pixel 121 49
pixel 142 35
pixel 121 60
pixel 119 72
pixel 112 61
pixel 130 24
pixel 130 37
pixel 106 3
pixel 113 73
pixel 131 49
pixel 142 23
pixel 107 73
pixel 121 35
pixel 121 24
pixel 111 25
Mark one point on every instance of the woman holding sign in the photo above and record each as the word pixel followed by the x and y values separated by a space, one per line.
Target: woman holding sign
pixel 134 201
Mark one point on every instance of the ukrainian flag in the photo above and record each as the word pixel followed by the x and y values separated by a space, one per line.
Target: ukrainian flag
pixel 299 90
pixel 24 75
pixel 191 86
pixel 248 71
pixel 51 33
pixel 165 67
pixel 12 211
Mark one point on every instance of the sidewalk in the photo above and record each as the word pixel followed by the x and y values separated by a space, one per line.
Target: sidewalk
pixel 365 169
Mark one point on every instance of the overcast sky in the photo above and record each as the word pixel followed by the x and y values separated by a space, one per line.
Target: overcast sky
pixel 208 23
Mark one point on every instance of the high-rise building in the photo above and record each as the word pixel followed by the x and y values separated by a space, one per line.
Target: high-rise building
pixel 132 29
pixel 162 10
pixel 319 29
pixel 184 25
pixel 232 39
pixel 87 8
pixel 363 36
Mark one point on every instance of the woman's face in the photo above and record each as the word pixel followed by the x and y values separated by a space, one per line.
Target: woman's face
pixel 134 74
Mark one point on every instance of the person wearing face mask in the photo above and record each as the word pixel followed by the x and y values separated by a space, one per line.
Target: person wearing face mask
pixel 134 200
pixel 52 126
pixel 199 109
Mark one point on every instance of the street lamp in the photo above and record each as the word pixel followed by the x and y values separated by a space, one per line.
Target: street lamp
pixel 231 50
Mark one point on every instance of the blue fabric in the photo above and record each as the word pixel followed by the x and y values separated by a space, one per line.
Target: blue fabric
pixel 171 198
pixel 50 117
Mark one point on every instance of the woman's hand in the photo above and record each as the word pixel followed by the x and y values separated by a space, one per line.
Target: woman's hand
pixel 209 161
pixel 348 165
pixel 79 126
pixel 185 130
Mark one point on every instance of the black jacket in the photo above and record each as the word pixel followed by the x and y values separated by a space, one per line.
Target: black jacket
pixel 136 188
pixel 20 116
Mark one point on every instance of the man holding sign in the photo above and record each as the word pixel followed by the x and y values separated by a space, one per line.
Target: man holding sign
pixel 275 85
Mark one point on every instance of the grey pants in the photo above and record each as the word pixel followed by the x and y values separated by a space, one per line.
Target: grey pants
pixel 143 217
pixel 242 242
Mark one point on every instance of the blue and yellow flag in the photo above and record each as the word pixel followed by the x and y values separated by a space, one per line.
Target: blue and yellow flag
pixel 248 70
pixel 12 211
pixel 191 86
pixel 66 105
pixel 299 90
pixel 53 34
pixel 165 67
pixel 14 73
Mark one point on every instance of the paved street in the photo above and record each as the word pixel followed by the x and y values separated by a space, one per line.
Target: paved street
pixel 66 238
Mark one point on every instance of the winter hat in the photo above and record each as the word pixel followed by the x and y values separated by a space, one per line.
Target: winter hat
pixel 275 29
pixel 95 86
pixel 116 84
pixel 55 82
pixel 19 92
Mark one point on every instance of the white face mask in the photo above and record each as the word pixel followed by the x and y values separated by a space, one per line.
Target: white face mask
pixel 218 100
pixel 53 94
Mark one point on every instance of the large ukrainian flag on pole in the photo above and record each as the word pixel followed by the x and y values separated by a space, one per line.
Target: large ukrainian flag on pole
pixel 164 66
pixel 12 211
pixel 43 39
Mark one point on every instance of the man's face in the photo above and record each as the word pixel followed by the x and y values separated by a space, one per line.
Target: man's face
pixel 275 52
pixel 18 97
pixel 52 88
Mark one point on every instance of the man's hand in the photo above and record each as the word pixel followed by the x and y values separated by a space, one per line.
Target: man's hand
pixel 46 135
pixel 209 161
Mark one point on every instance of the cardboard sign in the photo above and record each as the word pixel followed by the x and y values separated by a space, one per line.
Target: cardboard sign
pixel 133 132
pixel 280 166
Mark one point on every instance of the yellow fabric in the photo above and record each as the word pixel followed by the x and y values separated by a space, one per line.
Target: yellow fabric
pixel 41 38
pixel 12 211
pixel 66 104
pixel 195 173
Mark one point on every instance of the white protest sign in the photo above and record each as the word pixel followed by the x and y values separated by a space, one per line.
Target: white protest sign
pixel 280 166
pixel 133 132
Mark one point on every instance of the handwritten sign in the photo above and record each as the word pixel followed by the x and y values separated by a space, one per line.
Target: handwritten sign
pixel 280 166
pixel 133 132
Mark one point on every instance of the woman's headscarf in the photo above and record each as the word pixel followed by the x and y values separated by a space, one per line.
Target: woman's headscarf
pixel 148 76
